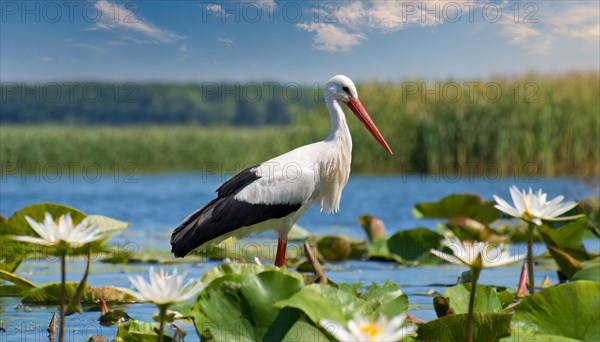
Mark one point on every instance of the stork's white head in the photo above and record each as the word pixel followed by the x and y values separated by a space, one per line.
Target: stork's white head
pixel 341 88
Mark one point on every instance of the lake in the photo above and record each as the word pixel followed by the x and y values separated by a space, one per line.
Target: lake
pixel 154 204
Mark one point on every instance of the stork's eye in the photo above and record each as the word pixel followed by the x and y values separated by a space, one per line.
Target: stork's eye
pixel 346 89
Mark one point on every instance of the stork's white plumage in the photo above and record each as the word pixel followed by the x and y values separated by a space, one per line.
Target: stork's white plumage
pixel 275 194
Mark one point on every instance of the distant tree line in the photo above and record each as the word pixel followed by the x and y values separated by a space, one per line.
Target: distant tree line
pixel 250 104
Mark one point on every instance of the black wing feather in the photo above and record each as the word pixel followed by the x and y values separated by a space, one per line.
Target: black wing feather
pixel 224 214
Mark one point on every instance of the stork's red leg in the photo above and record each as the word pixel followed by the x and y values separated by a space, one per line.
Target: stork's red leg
pixel 281 248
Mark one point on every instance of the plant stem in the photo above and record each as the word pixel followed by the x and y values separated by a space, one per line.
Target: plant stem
pixel 162 312
pixel 75 303
pixel 475 276
pixel 530 258
pixel 63 276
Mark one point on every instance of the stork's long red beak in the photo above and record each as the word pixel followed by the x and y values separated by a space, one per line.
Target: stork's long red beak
pixel 364 117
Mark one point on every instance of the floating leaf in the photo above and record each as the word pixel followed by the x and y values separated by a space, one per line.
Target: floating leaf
pixel 590 271
pixel 352 288
pixel 506 296
pixel 412 246
pixel 385 299
pixel 242 306
pixel 10 291
pixel 22 283
pixel 378 250
pixel 566 246
pixel 569 236
pixel 468 229
pixel 112 294
pixel 568 310
pixel 486 299
pixel 487 327
pixel 134 331
pixel 17 225
pixel 244 269
pixel 320 301
pixel 49 293
pixel 465 205
pixel 334 248
pixel 113 317
pixel 108 224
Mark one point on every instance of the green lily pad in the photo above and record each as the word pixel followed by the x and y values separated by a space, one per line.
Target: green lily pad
pixel 17 225
pixel 412 246
pixel 590 271
pixel 378 250
pixel 244 269
pixel 20 282
pixel 385 299
pixel 242 306
pixel 569 235
pixel 459 205
pixel 320 301
pixel 137 331
pixel 506 296
pixel 486 299
pixel 352 288
pixel 13 252
pixel 112 294
pixel 569 310
pixel 487 327
pixel 49 293
pixel 108 224
pixel 10 291
pixel 113 317
pixel 334 248
pixel 566 246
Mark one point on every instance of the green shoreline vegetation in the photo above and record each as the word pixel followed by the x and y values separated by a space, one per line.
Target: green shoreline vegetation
pixel 538 126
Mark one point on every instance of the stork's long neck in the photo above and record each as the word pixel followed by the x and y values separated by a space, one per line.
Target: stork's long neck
pixel 339 127
pixel 335 163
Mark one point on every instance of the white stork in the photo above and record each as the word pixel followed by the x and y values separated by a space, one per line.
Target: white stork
pixel 276 193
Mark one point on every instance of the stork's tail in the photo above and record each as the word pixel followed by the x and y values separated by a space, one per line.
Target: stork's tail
pixel 189 234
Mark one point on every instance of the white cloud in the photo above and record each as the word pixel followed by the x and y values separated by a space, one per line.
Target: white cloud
pixel 525 36
pixel 184 52
pixel 46 59
pixel 116 16
pixel 226 41
pixel 553 23
pixel 582 21
pixel 93 48
pixel 346 27
pixel 332 38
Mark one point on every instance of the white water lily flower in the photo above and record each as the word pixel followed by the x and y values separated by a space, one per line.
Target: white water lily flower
pixel 163 288
pixel 533 206
pixel 476 254
pixel 362 329
pixel 52 233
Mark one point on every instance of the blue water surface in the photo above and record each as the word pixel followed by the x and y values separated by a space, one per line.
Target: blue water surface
pixel 154 204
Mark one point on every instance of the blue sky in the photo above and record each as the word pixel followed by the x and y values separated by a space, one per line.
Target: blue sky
pixel 306 42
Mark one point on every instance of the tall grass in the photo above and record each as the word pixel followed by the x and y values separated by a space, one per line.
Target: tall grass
pixel 541 125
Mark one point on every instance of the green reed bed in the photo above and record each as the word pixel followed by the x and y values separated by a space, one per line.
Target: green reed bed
pixel 513 127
